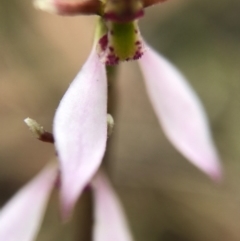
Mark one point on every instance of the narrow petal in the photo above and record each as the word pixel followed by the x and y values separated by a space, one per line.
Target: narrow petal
pixel 109 219
pixel 80 130
pixel 180 112
pixel 63 7
pixel 21 217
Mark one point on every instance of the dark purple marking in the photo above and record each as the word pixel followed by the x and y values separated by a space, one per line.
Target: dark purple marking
pixel 138 55
pixel 138 43
pixel 111 48
pixel 112 59
pixel 104 42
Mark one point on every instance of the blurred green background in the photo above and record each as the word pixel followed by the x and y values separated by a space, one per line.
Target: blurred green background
pixel 165 197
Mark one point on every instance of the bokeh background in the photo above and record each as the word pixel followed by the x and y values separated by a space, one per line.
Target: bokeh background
pixel 165 197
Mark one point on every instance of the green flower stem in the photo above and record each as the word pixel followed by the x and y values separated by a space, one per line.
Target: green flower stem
pixel 111 109
pixel 100 30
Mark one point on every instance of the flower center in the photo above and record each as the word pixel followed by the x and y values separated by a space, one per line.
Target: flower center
pixel 120 39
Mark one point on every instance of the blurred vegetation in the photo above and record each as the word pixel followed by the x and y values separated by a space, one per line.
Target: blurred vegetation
pixel 166 199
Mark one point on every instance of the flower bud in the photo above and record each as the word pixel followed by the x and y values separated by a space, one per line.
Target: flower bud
pixel 110 124
pixel 39 131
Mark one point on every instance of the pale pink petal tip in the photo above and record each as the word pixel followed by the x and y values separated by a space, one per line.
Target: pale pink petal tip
pixel 21 217
pixel 69 8
pixel 180 113
pixel 216 174
pixel 46 5
pixel 109 219
pixel 80 131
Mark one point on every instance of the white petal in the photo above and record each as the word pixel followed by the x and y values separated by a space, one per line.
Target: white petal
pixel 180 112
pixel 80 130
pixel 109 223
pixel 21 217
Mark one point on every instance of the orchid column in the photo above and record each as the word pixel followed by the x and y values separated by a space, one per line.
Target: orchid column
pixel 80 124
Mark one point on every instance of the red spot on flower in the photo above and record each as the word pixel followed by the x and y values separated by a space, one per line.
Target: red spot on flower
pixel 112 59
pixel 111 48
pixel 104 42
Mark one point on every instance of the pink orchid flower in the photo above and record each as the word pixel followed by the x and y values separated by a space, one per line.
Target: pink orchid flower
pixel 80 126
pixel 21 217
